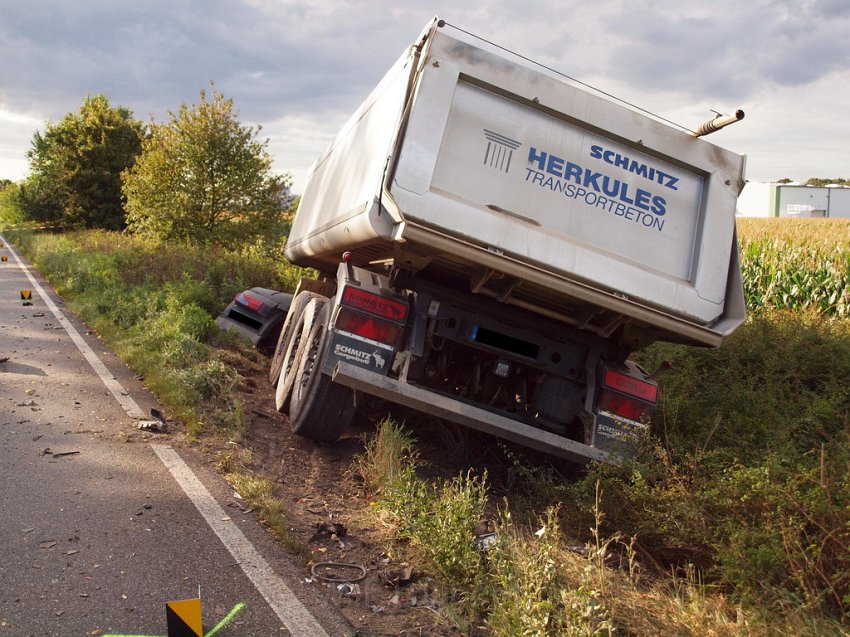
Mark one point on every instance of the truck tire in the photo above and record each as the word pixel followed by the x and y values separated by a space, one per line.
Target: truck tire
pixel 320 409
pixel 295 310
pixel 289 361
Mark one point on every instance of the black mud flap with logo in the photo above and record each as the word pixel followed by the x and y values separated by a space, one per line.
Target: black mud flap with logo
pixel 616 435
pixel 375 357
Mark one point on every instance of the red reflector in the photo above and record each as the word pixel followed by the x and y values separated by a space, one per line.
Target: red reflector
pixel 243 298
pixel 367 326
pixel 374 304
pixel 623 406
pixel 631 386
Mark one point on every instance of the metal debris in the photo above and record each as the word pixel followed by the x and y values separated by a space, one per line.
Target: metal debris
pixel 349 590
pixel 157 425
pixel 47 451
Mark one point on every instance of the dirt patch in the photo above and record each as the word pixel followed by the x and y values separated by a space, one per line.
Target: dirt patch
pixel 328 513
pixel 379 593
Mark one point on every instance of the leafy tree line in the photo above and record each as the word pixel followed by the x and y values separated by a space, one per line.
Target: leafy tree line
pixel 200 178
pixel 818 181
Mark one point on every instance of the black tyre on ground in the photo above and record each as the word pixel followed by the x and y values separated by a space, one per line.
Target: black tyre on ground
pixel 319 408
pixel 289 360
pixel 298 305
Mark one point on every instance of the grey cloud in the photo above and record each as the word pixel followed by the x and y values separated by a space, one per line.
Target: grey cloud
pixel 301 66
pixel 153 56
pixel 731 53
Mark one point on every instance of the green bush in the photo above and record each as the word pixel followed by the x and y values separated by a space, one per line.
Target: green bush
pixel 155 304
pixel 10 204
pixel 778 384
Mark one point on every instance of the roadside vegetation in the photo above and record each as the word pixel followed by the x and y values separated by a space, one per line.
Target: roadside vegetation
pixel 156 307
pixel 733 519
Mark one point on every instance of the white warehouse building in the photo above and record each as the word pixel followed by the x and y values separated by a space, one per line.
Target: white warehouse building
pixel 760 199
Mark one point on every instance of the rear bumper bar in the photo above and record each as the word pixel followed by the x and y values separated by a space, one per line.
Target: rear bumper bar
pixel 465 414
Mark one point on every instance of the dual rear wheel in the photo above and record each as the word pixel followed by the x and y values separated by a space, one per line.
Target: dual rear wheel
pixel 303 322
pixel 318 408
pixel 296 309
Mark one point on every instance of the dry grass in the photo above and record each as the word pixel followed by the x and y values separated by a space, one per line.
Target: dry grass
pixel 258 495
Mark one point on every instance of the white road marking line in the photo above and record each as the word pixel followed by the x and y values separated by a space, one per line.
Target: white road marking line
pixel 289 609
pixel 294 615
pixel 127 403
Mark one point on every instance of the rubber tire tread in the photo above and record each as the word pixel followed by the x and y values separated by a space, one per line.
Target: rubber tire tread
pixel 295 310
pixel 320 409
pixel 290 359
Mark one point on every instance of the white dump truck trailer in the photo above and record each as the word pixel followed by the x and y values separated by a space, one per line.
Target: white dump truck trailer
pixel 493 241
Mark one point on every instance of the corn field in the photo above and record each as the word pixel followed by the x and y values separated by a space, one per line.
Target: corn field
pixel 796 264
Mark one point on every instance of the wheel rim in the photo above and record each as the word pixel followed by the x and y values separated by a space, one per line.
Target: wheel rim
pixel 286 389
pixel 286 365
pixel 309 365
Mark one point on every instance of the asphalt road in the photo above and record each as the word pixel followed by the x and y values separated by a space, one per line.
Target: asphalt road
pixel 96 534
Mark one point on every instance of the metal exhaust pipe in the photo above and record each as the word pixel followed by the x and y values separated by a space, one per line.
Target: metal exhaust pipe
pixel 719 122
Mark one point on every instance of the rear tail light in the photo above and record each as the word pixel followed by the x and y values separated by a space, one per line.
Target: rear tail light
pixel 370 327
pixel 245 299
pixel 626 396
pixel 630 385
pixel 369 315
pixel 391 309
pixel 623 406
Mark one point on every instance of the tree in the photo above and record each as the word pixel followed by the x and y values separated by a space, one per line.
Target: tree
pixel 40 199
pixel 76 165
pixel 10 202
pixel 203 178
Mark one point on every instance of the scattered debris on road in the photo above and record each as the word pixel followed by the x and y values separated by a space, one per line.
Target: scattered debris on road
pixel 58 454
pixel 157 425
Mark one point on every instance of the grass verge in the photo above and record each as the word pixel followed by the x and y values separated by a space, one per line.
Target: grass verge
pixel 155 307
pixel 532 577
pixel 740 514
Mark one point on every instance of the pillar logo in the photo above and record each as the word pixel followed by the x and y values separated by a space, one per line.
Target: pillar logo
pixel 499 151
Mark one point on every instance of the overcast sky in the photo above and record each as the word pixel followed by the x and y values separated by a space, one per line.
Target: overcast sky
pixel 298 68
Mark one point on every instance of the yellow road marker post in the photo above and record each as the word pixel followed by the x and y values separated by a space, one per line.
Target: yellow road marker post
pixel 184 618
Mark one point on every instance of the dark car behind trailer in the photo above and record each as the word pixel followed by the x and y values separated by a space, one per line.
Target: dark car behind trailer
pixel 257 314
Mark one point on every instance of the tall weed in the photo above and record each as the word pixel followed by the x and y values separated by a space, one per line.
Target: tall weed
pixel 439 521
pixel 535 591
pixel 388 454
pixel 748 482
